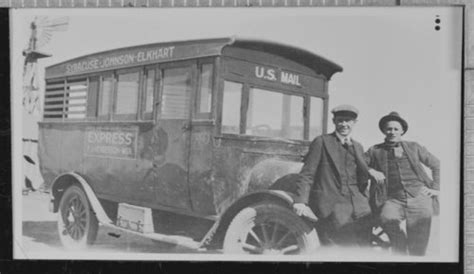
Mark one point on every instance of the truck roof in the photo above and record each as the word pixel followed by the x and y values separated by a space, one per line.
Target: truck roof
pixel 183 50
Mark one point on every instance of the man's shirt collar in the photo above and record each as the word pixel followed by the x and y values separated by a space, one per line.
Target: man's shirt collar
pixel 344 139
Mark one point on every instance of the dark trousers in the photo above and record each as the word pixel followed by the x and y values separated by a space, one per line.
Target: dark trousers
pixel 417 212
pixel 355 233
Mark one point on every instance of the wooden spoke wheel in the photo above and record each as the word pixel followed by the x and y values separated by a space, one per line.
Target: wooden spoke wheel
pixel 269 229
pixel 77 223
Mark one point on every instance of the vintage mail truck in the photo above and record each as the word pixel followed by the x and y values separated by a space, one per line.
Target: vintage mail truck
pixel 183 143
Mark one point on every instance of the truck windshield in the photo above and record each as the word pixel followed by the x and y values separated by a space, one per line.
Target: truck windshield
pixel 316 114
pixel 270 113
pixel 274 114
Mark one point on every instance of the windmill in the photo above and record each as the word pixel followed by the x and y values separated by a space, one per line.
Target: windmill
pixel 42 29
pixel 41 32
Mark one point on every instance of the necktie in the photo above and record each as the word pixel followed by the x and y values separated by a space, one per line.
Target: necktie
pixel 394 149
pixel 345 143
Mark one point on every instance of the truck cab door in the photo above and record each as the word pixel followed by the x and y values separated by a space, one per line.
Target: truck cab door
pixel 173 124
pixel 201 144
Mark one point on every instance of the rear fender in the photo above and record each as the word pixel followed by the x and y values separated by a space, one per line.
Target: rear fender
pixel 63 181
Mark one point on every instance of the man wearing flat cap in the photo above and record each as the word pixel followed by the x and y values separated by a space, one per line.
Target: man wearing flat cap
pixel 408 193
pixel 332 182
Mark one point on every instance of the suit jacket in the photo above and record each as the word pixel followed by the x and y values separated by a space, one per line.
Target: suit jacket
pixel 417 155
pixel 319 184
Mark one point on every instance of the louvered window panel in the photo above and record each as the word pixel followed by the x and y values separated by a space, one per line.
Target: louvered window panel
pixel 75 102
pixel 66 99
pixel 54 100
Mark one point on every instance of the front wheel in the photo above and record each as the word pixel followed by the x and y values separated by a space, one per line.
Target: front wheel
pixel 77 223
pixel 269 229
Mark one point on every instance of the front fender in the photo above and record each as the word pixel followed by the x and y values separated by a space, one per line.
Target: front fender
pixel 267 172
pixel 63 181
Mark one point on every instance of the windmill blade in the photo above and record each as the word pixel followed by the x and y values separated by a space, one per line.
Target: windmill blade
pixel 41 20
pixel 45 27
pixel 60 24
pixel 56 24
pixel 44 36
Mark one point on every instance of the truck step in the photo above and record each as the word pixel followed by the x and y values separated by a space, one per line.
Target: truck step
pixel 172 239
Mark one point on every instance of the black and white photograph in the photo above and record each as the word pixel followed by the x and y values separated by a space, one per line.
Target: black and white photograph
pixel 262 134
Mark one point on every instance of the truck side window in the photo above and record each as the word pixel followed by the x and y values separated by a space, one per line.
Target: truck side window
pixel 92 97
pixel 316 117
pixel 149 94
pixel 105 96
pixel 204 98
pixel 176 93
pixel 231 107
pixel 282 118
pixel 127 95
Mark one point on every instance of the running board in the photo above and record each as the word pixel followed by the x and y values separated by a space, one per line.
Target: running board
pixel 172 239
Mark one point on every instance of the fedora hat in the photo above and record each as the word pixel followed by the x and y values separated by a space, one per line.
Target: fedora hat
pixel 393 116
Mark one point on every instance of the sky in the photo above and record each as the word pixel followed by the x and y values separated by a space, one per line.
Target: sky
pixel 393 59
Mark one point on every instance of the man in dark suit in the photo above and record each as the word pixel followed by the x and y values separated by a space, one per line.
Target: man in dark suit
pixel 408 193
pixel 332 183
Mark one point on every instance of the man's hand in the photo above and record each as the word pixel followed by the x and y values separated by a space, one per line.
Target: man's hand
pixel 378 176
pixel 429 192
pixel 303 210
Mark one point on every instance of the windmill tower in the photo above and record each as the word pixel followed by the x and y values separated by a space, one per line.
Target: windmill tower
pixel 41 31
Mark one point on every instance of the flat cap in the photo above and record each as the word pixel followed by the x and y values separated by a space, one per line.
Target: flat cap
pixel 345 110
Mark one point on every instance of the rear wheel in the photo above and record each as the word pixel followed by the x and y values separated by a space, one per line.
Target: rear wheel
pixel 77 223
pixel 269 229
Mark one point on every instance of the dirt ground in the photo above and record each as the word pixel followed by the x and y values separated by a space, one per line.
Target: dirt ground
pixel 40 233
pixel 40 238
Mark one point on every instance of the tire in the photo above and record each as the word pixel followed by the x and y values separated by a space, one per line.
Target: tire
pixel 77 223
pixel 269 229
